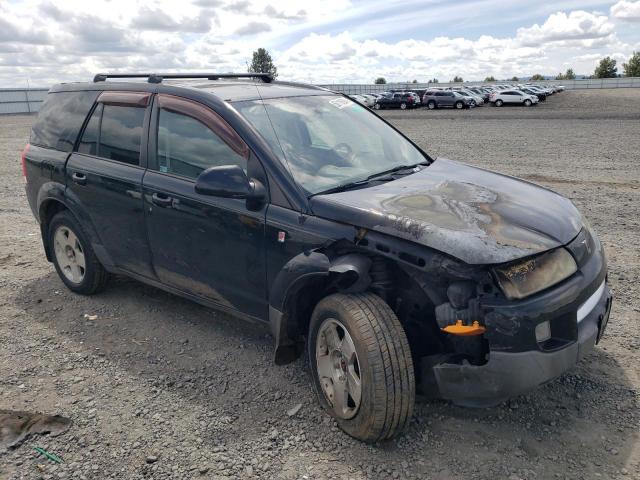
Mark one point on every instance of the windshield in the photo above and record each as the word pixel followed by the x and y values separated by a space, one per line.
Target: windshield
pixel 328 141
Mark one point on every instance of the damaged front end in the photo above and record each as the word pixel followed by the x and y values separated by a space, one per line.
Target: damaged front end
pixel 528 335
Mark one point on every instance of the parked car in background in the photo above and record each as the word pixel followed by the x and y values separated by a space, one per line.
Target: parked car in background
pixel 542 96
pixel 468 93
pixel 484 94
pixel 446 98
pixel 363 99
pixel 396 100
pixel 371 98
pixel 513 97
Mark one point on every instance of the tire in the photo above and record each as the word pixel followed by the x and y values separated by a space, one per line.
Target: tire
pixel 459 105
pixel 528 103
pixel 384 365
pixel 376 106
pixel 499 103
pixel 73 257
pixel 431 105
pixel 403 106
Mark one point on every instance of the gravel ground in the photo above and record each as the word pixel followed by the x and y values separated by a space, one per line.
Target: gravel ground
pixel 158 387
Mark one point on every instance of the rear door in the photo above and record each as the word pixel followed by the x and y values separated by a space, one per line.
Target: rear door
pixel 104 176
pixel 204 245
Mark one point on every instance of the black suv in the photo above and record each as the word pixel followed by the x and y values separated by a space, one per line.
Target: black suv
pixel 295 206
pixel 401 100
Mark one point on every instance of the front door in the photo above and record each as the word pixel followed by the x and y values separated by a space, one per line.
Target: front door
pixel 104 177
pixel 207 246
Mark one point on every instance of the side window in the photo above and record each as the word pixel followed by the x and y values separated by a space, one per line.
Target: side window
pixel 89 142
pixel 186 146
pixel 114 132
pixel 61 118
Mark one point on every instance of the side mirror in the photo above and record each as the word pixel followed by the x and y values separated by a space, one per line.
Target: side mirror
pixel 230 181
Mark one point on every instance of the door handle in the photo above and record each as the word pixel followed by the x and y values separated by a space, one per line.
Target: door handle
pixel 161 200
pixel 79 178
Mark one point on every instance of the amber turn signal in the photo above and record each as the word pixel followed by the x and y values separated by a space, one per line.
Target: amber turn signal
pixel 464 330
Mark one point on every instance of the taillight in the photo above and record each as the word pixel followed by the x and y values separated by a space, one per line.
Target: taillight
pixel 23 160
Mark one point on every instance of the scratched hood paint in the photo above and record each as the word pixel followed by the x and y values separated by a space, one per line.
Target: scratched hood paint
pixel 475 215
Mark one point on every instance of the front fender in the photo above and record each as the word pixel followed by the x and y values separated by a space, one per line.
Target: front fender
pixel 347 273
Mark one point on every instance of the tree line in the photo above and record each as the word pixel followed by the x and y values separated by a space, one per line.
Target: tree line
pixel 262 62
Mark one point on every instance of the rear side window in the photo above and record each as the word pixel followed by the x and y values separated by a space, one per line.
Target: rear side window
pixel 89 142
pixel 61 118
pixel 121 133
pixel 114 132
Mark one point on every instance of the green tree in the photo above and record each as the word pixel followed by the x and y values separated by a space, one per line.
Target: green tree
pixel 569 75
pixel 380 81
pixel 537 77
pixel 515 79
pixel 457 79
pixel 606 68
pixel 261 62
pixel 414 81
pixel 490 79
pixel 632 68
pixel 560 76
pixel 433 80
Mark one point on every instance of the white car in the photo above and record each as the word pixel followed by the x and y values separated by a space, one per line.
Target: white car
pixel 468 93
pixel 363 99
pixel 512 97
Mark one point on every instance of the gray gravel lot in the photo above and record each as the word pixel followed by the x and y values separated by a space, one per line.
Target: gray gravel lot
pixel 158 387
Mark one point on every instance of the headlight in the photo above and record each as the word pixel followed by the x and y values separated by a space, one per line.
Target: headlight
pixel 525 278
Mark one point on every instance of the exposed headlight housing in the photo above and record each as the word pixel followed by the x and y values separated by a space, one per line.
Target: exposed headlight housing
pixel 521 279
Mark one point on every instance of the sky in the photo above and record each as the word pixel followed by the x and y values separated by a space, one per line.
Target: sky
pixel 330 41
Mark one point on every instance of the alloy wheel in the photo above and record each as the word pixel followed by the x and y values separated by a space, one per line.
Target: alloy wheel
pixel 69 254
pixel 338 368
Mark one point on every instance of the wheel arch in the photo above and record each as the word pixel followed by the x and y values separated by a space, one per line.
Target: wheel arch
pixel 300 285
pixel 54 200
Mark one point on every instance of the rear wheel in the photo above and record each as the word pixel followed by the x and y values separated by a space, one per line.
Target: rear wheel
pixel 361 365
pixel 499 103
pixel 73 256
pixel 376 106
pixel 431 105
pixel 459 105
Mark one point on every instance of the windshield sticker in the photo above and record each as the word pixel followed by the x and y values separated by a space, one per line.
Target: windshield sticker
pixel 340 102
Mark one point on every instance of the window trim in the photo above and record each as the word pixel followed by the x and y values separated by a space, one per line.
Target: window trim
pixel 127 99
pixel 208 117
pixel 198 112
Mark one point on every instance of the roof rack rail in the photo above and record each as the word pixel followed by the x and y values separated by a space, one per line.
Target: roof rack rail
pixel 158 77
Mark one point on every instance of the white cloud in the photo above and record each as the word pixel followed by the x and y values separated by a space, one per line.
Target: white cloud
pixel 625 10
pixel 578 26
pixel 330 41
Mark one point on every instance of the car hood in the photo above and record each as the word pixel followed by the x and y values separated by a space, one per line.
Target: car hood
pixel 475 215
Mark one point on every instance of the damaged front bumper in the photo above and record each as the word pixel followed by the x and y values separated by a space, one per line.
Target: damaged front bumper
pixel 577 311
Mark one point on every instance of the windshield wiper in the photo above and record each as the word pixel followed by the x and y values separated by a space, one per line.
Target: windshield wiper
pixel 397 168
pixel 375 176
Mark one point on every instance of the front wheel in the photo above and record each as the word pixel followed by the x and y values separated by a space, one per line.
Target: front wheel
pixel 459 105
pixel 431 105
pixel 403 106
pixel 361 365
pixel 376 106
pixel 499 103
pixel 527 103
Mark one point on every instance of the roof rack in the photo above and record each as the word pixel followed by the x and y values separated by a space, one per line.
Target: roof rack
pixel 158 77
